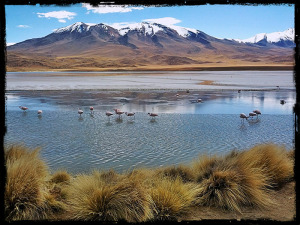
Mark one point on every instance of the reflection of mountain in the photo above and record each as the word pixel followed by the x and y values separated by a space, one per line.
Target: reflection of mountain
pixel 143 46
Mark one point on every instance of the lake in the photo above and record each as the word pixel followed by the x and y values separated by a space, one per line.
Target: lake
pixel 181 132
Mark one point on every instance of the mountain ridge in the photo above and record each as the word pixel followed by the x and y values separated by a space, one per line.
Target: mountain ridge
pixel 100 46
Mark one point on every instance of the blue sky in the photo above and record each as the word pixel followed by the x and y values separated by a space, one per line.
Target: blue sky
pixel 223 21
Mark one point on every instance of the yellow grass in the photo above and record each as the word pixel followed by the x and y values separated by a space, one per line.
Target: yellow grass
pixel 172 197
pixel 230 182
pixel 60 177
pixel 181 171
pixel 272 159
pixel 24 194
pixel 92 198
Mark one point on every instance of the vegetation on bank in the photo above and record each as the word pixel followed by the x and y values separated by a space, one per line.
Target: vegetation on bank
pixel 230 182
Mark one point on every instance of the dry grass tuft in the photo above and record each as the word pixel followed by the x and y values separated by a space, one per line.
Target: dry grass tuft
pixel 26 173
pixel 204 166
pixel 172 197
pixel 231 188
pixel 60 177
pixel 181 171
pixel 92 198
pixel 272 159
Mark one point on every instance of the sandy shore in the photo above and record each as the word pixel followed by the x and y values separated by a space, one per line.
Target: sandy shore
pixel 174 80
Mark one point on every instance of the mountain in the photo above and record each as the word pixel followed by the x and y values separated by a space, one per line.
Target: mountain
pixel 145 45
pixel 281 39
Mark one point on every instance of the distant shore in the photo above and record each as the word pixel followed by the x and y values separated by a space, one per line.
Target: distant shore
pixel 161 68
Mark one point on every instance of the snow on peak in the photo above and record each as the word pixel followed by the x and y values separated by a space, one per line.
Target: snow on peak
pixel 145 27
pixel 150 28
pixel 271 37
pixel 77 27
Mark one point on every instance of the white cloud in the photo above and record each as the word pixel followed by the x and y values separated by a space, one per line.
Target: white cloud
pixel 9 44
pixel 102 9
pixel 167 21
pixel 23 26
pixel 60 15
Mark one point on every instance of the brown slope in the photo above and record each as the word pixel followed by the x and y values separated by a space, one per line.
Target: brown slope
pixel 103 48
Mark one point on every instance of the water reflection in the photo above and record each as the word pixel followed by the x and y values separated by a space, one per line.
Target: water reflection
pixel 253 121
pixel 108 123
pixel 242 127
pixel 119 120
pixel 80 118
pixel 153 120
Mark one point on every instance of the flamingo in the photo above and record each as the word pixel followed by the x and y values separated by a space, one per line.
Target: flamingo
pixel 199 100
pixel 80 111
pixel 23 108
pixel 108 114
pixel 92 109
pixel 130 114
pixel 243 116
pixel 251 114
pixel 39 112
pixel 177 95
pixel 257 112
pixel 118 112
pixel 153 115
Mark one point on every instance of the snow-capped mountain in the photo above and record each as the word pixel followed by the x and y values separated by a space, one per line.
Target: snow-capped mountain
pixel 143 44
pixel 146 28
pixel 283 39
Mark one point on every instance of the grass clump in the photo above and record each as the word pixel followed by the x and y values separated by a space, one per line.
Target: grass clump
pixel 183 172
pixel 93 199
pixel 24 194
pixel 172 197
pixel 60 177
pixel 273 160
pixel 232 188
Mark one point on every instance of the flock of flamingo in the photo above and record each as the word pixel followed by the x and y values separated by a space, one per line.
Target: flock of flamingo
pixel 108 114
pixel 255 112
pixel 153 115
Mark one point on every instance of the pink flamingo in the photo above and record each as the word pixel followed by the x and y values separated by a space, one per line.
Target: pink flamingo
pixel 39 112
pixel 130 114
pixel 92 109
pixel 108 114
pixel 23 108
pixel 80 111
pixel 118 112
pixel 257 112
pixel 251 114
pixel 153 115
pixel 243 116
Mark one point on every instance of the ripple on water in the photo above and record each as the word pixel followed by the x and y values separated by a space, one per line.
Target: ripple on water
pixel 80 145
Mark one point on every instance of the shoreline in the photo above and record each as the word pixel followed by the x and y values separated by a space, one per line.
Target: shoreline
pixel 207 68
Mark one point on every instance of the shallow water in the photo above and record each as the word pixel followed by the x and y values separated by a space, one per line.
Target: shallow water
pixel 222 80
pixel 182 131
